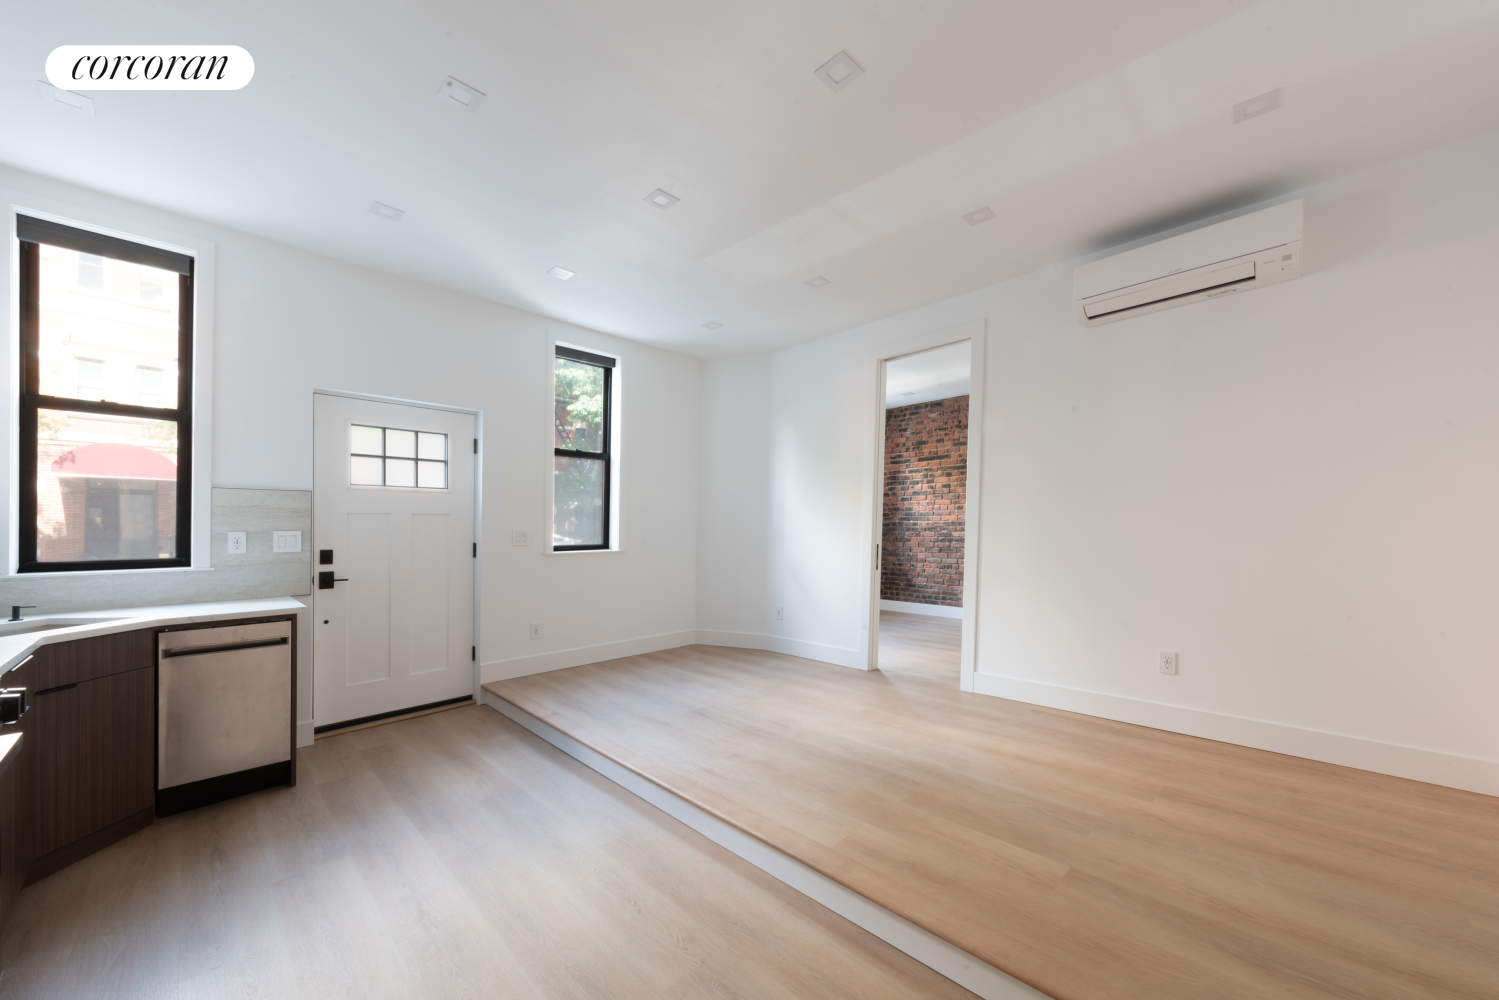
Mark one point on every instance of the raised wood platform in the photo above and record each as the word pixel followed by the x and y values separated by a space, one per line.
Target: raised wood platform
pixel 1088 858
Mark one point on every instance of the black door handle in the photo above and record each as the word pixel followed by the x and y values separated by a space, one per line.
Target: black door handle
pixel 326 580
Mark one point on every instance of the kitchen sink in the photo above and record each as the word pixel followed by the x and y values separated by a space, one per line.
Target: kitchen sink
pixel 47 624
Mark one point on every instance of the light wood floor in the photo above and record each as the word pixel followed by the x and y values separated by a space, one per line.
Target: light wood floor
pixel 1091 859
pixel 925 645
pixel 451 856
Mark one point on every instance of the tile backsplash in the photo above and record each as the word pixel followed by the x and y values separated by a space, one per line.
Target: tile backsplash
pixel 258 572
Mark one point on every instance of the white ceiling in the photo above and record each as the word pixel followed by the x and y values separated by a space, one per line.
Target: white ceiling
pixel 1079 122
pixel 940 373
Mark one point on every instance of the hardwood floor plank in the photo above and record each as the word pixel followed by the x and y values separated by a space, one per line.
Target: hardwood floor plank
pixel 450 856
pixel 923 645
pixel 1090 858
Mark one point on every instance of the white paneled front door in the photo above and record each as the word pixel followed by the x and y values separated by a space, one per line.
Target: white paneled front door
pixel 393 529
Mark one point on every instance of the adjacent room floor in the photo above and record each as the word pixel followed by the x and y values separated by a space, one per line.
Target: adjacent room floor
pixel 450 856
pixel 1092 859
pixel 925 645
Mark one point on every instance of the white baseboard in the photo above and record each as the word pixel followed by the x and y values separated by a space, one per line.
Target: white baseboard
pixel 935 610
pixel 935 953
pixel 523 666
pixel 1435 767
pixel 780 644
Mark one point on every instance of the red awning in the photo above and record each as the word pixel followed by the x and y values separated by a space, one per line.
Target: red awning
pixel 115 461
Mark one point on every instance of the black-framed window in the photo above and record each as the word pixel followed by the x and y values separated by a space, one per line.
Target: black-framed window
pixel 105 477
pixel 582 424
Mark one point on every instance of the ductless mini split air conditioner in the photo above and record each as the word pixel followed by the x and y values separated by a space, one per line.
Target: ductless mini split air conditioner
pixel 1260 248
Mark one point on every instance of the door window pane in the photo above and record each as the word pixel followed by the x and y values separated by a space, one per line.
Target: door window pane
pixel 579 501
pixel 401 444
pixel 578 406
pixel 400 472
pixel 433 446
pixel 364 471
pixel 101 320
pixel 366 440
pixel 106 487
pixel 386 456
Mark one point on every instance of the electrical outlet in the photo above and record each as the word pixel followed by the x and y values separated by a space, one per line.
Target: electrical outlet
pixel 286 541
pixel 1168 662
pixel 236 543
pixel 520 536
pixel 780 614
pixel 536 630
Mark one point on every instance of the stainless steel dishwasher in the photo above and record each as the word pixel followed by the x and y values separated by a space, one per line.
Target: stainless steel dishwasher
pixel 223 713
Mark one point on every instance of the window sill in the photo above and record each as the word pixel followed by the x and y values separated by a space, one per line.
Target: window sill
pixel 580 552
pixel 68 574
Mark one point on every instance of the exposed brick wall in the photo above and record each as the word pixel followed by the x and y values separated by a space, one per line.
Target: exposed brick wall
pixel 926 485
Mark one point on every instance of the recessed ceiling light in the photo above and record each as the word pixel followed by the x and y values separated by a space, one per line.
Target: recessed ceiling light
pixel 78 102
pixel 817 282
pixel 661 199
pixel 386 212
pixel 712 326
pixel 1256 106
pixel 978 216
pixel 562 272
pixel 461 94
pixel 839 71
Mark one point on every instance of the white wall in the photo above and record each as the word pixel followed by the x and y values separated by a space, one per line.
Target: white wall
pixel 734 452
pixel 1296 489
pixel 287 321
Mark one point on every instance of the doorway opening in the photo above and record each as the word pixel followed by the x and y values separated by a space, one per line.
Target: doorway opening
pixel 923 514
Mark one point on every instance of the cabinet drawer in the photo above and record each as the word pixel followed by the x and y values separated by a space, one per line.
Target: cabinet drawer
pixel 88 659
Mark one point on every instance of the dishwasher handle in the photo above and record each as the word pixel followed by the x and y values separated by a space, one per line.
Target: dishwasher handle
pixel 226 647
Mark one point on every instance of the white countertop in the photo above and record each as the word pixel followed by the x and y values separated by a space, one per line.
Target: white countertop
pixel 15 648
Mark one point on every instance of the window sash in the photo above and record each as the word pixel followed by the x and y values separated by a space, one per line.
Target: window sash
pixel 606 434
pixel 31 233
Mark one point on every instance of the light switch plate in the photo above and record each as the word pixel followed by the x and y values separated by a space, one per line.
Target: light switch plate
pixel 236 543
pixel 286 541
pixel 520 536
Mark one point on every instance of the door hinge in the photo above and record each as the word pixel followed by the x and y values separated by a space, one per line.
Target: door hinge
pixel 476 550
pixel 476 446
pixel 473 652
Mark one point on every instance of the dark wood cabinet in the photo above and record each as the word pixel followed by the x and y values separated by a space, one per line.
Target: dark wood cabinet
pixel 91 766
pixel 85 775
pixel 89 659
pixel 11 872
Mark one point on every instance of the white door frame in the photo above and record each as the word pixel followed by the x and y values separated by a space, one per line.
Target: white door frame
pixel 972 331
pixel 478 416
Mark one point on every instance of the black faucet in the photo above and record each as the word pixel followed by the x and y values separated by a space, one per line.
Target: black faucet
pixel 16 609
